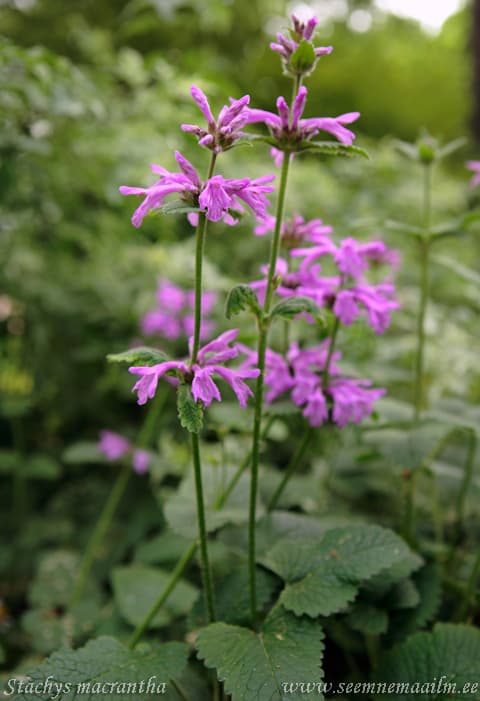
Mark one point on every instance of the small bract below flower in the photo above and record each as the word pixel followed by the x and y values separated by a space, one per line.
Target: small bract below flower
pixel 210 362
pixel 287 46
pixel 216 197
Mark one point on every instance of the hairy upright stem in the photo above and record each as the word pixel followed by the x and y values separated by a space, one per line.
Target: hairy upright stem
pixel 200 246
pixel 262 348
pixel 292 467
pixel 202 530
pixel 419 386
pixel 170 586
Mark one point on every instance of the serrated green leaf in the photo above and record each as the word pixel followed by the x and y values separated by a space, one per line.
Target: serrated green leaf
pixel 177 207
pixel 448 655
pixel 289 307
pixel 324 576
pixel 137 588
pixel 331 148
pixel 367 619
pixel 190 412
pixel 240 298
pixel 428 584
pixel 257 666
pixel 404 595
pixel 303 58
pixel 143 355
pixel 90 671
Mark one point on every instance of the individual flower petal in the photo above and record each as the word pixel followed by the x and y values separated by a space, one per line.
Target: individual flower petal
pixel 203 387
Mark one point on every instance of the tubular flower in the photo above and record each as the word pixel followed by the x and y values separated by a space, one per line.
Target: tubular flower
pixel 341 400
pixel 173 316
pixel 290 130
pixel 296 230
pixel 286 46
pixel 223 132
pixel 215 197
pixel 210 361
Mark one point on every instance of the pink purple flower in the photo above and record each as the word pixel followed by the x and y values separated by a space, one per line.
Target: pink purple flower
pixel 115 446
pixel 112 445
pixel 289 129
pixel 286 46
pixel 474 166
pixel 296 230
pixel 209 363
pixel 141 460
pixel 221 133
pixel 340 400
pixel 173 317
pixel 216 197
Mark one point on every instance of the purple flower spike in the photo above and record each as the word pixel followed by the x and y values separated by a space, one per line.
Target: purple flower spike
pixel 112 445
pixel 289 129
pixel 220 134
pixel 287 45
pixel 341 401
pixel 218 198
pixel 173 317
pixel 210 362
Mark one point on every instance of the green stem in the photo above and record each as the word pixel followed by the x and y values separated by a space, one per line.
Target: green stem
pixel 145 437
pixel 241 469
pixel 263 325
pixel 467 479
pixel 189 552
pixel 419 379
pixel 469 595
pixel 99 532
pixel 292 467
pixel 331 349
pixel 169 587
pixel 200 247
pixel 202 530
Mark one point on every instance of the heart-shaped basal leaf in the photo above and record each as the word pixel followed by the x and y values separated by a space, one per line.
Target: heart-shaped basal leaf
pixel 269 665
pixel 105 670
pixel 137 588
pixel 443 664
pixel 324 576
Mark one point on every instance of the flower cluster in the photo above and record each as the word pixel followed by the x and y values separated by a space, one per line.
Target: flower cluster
pixel 296 230
pixel 287 46
pixel 334 398
pixel 289 130
pixel 210 361
pixel 173 317
pixel 114 447
pixel 222 133
pixel 347 292
pixel 215 197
